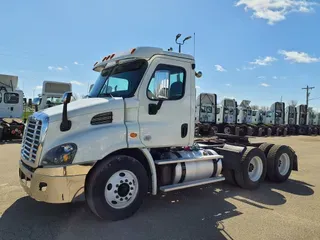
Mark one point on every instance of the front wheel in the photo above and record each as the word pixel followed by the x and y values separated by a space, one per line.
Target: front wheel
pixel 116 187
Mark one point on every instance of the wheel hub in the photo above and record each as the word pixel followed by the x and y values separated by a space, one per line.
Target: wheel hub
pixel 284 164
pixel 255 168
pixel 251 167
pixel 121 189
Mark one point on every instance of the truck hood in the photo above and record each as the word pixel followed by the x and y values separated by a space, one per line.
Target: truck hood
pixel 83 107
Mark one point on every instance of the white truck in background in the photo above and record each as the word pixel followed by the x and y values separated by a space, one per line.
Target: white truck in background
pixel 51 94
pixel 11 108
pixel 116 146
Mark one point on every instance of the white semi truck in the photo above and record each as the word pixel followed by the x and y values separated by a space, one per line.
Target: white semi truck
pixel 127 139
pixel 11 108
pixel 212 118
pixel 275 119
pixel 51 94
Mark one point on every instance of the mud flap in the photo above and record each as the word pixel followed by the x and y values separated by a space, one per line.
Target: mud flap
pixel 232 156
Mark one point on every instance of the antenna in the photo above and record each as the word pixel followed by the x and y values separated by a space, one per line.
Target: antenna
pixel 194 45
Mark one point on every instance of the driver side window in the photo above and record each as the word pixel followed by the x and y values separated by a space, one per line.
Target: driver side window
pixel 167 83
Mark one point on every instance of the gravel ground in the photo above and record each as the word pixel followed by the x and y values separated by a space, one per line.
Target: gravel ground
pixel 219 211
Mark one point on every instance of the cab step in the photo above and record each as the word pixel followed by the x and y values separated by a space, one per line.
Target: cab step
pixel 180 160
pixel 178 186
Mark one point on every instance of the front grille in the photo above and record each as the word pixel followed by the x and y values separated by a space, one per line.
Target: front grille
pixel 31 140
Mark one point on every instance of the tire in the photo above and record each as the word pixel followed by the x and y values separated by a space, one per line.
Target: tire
pixel 285 132
pixel 108 178
pixel 301 131
pixel 250 131
pixel 269 132
pixel 276 156
pixel 227 130
pixel 1 133
pixel 243 177
pixel 265 148
pixel 214 130
pixel 260 131
pixel 229 176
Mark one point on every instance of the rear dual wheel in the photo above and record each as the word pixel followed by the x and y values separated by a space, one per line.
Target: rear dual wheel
pixel 273 161
pixel 279 163
pixel 253 169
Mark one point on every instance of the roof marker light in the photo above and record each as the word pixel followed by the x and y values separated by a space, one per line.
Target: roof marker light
pixel 105 58
pixel 112 55
pixel 133 50
pixel 95 63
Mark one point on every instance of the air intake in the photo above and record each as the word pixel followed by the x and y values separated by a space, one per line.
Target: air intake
pixel 102 118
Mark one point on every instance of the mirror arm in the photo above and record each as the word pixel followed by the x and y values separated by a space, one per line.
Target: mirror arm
pixel 159 104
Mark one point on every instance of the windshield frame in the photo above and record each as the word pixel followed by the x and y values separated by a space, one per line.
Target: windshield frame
pixel 105 74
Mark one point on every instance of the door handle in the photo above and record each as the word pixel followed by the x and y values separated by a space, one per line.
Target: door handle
pixel 184 130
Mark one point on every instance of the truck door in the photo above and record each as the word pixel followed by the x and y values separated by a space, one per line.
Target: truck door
pixel 166 110
pixel 12 105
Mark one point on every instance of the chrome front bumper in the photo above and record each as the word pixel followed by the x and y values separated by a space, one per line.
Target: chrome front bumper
pixel 53 185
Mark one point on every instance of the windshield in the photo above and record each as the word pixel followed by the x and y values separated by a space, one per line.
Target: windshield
pixel 119 80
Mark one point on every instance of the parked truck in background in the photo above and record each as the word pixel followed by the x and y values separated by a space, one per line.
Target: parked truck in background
pixel 275 119
pixel 51 94
pixel 116 146
pixel 206 115
pixel 11 108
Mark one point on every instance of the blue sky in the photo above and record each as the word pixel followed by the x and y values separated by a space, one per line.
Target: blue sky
pixel 247 49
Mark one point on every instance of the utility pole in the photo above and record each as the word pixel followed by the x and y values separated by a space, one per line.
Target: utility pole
pixel 308 94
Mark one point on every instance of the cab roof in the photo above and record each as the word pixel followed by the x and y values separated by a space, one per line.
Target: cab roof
pixel 137 53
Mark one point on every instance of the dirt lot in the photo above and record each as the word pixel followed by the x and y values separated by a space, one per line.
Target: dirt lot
pixel 219 211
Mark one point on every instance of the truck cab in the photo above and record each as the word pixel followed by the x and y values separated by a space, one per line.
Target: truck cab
pixel 290 115
pixel 302 120
pixel 206 109
pixel 275 115
pixel 244 112
pixel 275 119
pixel 11 108
pixel 134 134
pixel 51 95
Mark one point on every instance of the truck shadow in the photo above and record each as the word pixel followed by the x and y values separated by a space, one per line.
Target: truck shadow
pixel 196 213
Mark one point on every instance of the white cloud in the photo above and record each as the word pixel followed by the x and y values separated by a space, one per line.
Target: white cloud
pixel 197 87
pixel 219 68
pixel 276 10
pixel 39 87
pixel 77 63
pixel 228 85
pixel 264 85
pixel 298 57
pixel 238 69
pixel 52 68
pixel 275 77
pixel 262 77
pixel 77 83
pixel 263 61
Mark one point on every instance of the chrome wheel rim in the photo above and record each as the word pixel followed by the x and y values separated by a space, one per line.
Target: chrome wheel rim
pixel 121 189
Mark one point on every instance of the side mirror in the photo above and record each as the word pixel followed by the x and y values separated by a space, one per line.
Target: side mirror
pixel 67 97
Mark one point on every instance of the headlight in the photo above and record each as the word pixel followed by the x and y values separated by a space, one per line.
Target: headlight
pixel 60 155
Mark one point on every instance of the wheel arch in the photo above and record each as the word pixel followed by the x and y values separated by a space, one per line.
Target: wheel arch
pixel 143 156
